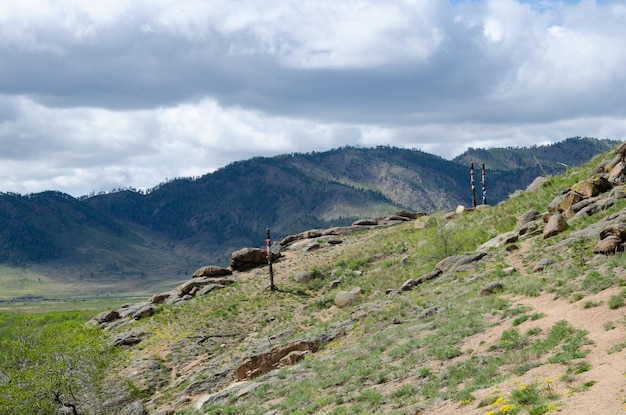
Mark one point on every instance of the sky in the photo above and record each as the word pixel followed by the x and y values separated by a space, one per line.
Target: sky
pixel 106 94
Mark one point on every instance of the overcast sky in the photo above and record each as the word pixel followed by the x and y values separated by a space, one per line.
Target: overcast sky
pixel 102 94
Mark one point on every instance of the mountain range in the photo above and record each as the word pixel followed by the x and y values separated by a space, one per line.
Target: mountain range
pixel 124 240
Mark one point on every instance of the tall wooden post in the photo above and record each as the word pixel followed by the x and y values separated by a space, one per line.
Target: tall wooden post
pixel 484 186
pixel 268 242
pixel 473 184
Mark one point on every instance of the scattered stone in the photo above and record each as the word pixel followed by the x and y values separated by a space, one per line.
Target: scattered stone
pixel 543 264
pixel 128 311
pixel 491 288
pixel 107 316
pixel 304 276
pixel 621 149
pixel 209 288
pixel 293 357
pixel 553 207
pixel 160 298
pixel 555 225
pixel 452 262
pixel 536 184
pixel 127 340
pixel 135 408
pixel 212 271
pixel 335 283
pixel 408 284
pixel 145 311
pixel 609 245
pixel 592 187
pixel 499 241
pixel 571 198
pixel 430 311
pixel 192 286
pixel 529 216
pixel 365 222
pixel 449 215
pixel 344 298
pixel 616 176
pixel 410 215
pixel 614 229
pixel 426 277
pixel 530 229
pixel 248 258
pixel 357 291
pixel 260 364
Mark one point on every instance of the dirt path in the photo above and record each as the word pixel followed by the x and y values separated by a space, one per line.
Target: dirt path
pixel 605 329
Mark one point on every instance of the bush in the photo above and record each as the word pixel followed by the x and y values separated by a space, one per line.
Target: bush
pixel 44 369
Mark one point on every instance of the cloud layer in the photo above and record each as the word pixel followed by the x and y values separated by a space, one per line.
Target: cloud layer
pixel 110 94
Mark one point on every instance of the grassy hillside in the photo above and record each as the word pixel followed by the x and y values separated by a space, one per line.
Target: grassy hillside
pixel 540 342
pixel 122 242
pixel 545 159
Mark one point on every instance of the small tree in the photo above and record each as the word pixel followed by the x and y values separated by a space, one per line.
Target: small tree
pixel 60 366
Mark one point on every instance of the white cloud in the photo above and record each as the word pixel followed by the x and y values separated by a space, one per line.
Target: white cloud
pixel 103 94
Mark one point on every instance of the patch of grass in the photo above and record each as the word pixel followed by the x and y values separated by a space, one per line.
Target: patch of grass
pixel 526 395
pixel 578 368
pixel 617 348
pixel 596 282
pixel 512 340
pixel 591 304
pixel 609 325
pixel 520 320
pixel 616 301
pixel 577 297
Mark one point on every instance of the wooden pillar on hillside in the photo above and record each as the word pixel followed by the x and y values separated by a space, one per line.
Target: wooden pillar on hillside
pixel 484 183
pixel 268 242
pixel 472 182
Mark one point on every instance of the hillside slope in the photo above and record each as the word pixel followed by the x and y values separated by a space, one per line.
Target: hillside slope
pixel 232 207
pixel 56 246
pixel 546 159
pixel 475 312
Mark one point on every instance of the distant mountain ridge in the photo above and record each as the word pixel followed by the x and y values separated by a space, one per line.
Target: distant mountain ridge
pixel 130 237
pixel 548 159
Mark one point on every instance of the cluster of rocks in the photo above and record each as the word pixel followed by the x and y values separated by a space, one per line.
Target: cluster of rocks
pixel 203 281
pixel 312 239
pixel 596 194
pixel 454 263
pixel 212 277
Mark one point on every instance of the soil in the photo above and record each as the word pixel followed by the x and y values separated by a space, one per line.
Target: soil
pixel 605 329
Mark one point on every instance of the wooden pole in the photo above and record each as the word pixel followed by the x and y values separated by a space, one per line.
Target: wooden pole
pixel 473 184
pixel 484 182
pixel 268 242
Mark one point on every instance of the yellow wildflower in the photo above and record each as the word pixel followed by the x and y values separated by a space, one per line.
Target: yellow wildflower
pixel 506 408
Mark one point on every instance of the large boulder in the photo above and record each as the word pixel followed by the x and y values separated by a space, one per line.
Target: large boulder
pixel 536 184
pixel 592 187
pixel 248 258
pixel 527 217
pixel 609 245
pixel 107 316
pixel 556 224
pixel 194 285
pixel 346 298
pixel 570 199
pixel 211 271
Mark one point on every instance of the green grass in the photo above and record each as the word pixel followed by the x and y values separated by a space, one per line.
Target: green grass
pixel 391 358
